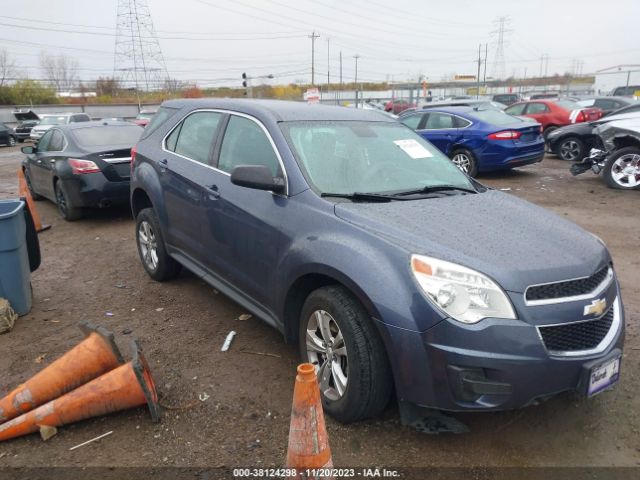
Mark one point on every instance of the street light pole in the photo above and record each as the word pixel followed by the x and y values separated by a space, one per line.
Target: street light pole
pixel 356 56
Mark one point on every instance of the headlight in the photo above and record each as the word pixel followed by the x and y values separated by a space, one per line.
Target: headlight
pixel 463 294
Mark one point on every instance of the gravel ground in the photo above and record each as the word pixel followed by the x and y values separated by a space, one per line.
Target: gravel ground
pixel 91 267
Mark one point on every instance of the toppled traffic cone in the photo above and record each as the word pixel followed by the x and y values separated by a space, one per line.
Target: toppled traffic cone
pixel 92 357
pixel 128 386
pixel 308 441
pixel 24 192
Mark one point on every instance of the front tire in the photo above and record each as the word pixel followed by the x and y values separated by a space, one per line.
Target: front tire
pixel 338 337
pixel 67 210
pixel 571 149
pixel 153 253
pixel 465 161
pixel 622 169
pixel 12 141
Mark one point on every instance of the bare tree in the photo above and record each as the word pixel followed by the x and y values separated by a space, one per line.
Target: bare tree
pixel 61 71
pixel 173 85
pixel 7 67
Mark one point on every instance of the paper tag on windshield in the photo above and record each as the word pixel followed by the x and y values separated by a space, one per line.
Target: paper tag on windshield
pixel 413 148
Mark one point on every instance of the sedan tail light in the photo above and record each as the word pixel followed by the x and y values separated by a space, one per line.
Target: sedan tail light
pixel 79 167
pixel 506 135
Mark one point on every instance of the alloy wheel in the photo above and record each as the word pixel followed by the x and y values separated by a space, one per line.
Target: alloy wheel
pixel 148 245
pixel 462 161
pixel 12 142
pixel 569 150
pixel 327 351
pixel 625 171
pixel 61 200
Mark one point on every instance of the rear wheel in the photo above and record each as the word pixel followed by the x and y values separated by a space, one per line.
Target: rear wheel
pixel 622 169
pixel 571 149
pixel 12 141
pixel 153 253
pixel 465 161
pixel 337 336
pixel 67 210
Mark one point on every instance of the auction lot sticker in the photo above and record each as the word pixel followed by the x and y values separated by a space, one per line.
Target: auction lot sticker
pixel 413 148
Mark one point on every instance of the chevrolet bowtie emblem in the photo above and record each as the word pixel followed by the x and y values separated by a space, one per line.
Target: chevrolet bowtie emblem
pixel 597 307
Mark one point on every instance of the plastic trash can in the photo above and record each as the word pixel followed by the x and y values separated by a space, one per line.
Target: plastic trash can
pixel 15 272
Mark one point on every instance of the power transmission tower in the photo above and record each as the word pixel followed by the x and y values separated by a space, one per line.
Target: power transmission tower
pixel 499 66
pixel 138 60
pixel 313 37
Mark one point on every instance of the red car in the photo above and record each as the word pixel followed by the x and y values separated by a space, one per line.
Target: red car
pixel 397 106
pixel 552 114
pixel 144 117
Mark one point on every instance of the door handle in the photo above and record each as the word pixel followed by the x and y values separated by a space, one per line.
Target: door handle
pixel 212 191
pixel 163 165
pixel 164 162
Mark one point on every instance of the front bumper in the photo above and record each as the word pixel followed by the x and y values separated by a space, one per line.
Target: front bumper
pixel 95 190
pixel 493 365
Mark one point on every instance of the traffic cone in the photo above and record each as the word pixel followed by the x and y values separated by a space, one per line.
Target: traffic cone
pixel 128 386
pixel 308 441
pixel 92 357
pixel 24 192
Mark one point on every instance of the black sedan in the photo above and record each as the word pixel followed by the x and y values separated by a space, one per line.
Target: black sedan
pixel 573 142
pixel 82 165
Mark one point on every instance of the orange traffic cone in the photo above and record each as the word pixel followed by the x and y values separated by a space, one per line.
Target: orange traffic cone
pixel 128 386
pixel 92 357
pixel 308 441
pixel 24 192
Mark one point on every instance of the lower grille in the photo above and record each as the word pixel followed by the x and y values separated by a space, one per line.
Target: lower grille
pixel 577 336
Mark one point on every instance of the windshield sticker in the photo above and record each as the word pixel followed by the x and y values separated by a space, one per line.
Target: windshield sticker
pixel 413 148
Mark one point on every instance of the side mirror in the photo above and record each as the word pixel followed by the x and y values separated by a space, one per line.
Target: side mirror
pixel 256 176
pixel 28 150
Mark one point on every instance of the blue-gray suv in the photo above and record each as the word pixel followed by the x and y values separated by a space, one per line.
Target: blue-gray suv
pixel 390 268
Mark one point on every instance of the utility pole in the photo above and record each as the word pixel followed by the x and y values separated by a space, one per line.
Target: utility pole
pixel 541 63
pixel 341 84
pixel 486 55
pixel 328 66
pixel 356 56
pixel 546 65
pixel 313 37
pixel 479 63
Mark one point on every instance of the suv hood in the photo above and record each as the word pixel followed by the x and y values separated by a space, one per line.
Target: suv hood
pixel 513 241
pixel 22 115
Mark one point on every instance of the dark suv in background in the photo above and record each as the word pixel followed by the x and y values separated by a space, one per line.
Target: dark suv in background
pixel 386 264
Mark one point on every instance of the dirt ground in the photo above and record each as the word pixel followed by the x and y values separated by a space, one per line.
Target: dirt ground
pixel 232 409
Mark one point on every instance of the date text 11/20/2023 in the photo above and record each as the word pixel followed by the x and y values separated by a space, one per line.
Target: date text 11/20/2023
pixel 315 473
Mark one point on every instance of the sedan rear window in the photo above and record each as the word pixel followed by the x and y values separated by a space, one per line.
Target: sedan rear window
pixel 568 105
pixel 495 117
pixel 108 135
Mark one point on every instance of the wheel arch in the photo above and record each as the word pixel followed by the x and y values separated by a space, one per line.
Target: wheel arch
pixel 303 285
pixel 626 141
pixel 139 201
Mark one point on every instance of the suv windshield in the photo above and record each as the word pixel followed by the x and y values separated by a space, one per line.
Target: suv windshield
pixel 54 120
pixel 372 157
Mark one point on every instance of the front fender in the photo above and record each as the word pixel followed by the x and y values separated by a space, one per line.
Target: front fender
pixel 376 272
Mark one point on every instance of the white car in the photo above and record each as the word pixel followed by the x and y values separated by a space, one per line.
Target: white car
pixel 48 120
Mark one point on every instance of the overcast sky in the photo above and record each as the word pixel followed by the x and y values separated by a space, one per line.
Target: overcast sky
pixel 213 41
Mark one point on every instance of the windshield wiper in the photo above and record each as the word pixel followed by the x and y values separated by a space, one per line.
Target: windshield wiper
pixel 374 197
pixel 435 188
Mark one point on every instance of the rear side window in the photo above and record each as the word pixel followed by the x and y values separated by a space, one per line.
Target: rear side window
pixel 516 109
pixel 195 136
pixel 162 115
pixel 568 105
pixel 438 121
pixel 412 121
pixel 535 108
pixel 245 143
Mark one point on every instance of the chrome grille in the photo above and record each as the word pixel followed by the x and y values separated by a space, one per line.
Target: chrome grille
pixel 568 288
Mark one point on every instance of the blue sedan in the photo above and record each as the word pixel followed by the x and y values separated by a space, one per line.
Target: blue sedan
pixel 479 140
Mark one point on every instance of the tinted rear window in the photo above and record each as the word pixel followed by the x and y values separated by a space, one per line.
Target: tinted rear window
pixel 495 117
pixel 568 105
pixel 104 135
